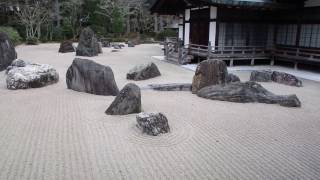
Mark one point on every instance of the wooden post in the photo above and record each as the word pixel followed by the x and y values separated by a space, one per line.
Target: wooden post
pixel 231 62
pixel 180 51
pixel 295 65
pixel 252 62
pixel 272 61
pixel 209 50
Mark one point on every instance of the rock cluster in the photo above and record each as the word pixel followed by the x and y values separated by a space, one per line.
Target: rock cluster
pixel 143 72
pixel 128 101
pixel 24 75
pixel 88 44
pixel 275 76
pixel 153 123
pixel 7 51
pixel 90 77
pixel 247 92
pixel 66 47
pixel 209 72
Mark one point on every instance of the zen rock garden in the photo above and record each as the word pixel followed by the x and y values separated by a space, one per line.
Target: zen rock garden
pixel 211 81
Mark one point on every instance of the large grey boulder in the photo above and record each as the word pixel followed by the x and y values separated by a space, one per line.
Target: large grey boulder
pixel 261 76
pixel 232 78
pixel 88 43
pixel 128 101
pixel 285 78
pixel 247 92
pixel 24 75
pixel 7 51
pixel 90 77
pixel 143 72
pixel 209 72
pixel 66 47
pixel 153 123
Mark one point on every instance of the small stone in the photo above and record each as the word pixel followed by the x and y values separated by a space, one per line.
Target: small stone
pixel 153 124
pixel 66 47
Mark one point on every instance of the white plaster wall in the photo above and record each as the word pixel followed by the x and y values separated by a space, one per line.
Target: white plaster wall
pixel 187 34
pixel 181 32
pixel 212 33
pixel 312 3
pixel 213 26
pixel 187 15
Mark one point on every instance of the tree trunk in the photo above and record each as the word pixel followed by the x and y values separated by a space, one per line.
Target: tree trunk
pixel 57 12
pixel 156 23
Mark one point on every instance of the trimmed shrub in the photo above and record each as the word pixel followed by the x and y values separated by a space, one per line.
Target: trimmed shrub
pixel 12 33
pixel 166 33
pixel 32 41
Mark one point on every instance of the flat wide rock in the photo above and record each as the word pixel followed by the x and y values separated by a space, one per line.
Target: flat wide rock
pixel 285 78
pixel 90 77
pixel 247 92
pixel 153 124
pixel 209 72
pixel 7 51
pixel 24 75
pixel 171 87
pixel 261 76
pixel 143 72
pixel 128 101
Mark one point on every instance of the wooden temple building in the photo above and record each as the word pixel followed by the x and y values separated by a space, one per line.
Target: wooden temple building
pixel 245 30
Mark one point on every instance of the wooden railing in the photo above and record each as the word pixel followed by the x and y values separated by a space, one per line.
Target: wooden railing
pixel 180 52
pixel 297 54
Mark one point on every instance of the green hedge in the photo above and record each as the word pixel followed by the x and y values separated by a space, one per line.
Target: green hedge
pixel 12 33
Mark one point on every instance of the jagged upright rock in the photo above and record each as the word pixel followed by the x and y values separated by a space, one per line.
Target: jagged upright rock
pixel 247 92
pixel 88 43
pixel 143 72
pixel 66 47
pixel 128 101
pixel 209 72
pixel 90 77
pixel 7 51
